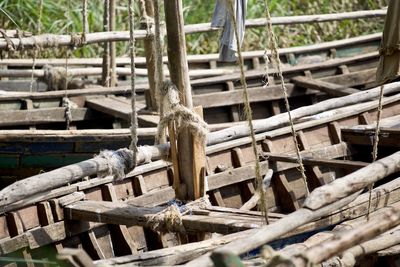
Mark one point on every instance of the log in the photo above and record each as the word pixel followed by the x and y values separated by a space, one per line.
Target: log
pixel 282 119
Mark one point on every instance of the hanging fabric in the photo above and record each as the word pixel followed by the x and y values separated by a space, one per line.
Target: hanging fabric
pixel 222 19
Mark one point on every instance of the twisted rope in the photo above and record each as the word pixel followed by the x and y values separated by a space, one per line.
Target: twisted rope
pixel 275 55
pixel 375 145
pixel 249 116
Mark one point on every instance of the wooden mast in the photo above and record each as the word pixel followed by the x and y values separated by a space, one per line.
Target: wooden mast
pixel 191 156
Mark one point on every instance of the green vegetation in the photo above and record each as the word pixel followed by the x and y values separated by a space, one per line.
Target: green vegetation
pixel 24 14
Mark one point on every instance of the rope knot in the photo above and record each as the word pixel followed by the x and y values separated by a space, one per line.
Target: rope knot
pixel 77 40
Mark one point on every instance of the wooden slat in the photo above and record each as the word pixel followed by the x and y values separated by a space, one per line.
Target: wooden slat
pixel 388 137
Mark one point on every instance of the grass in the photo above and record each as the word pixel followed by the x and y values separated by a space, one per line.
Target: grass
pixel 58 18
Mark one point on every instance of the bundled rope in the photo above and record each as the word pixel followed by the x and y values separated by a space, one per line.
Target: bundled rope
pixel 181 115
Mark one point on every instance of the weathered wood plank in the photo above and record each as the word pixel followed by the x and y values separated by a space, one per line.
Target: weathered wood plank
pixel 327 87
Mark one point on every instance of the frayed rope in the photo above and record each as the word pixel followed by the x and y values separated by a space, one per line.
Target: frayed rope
pixel 183 117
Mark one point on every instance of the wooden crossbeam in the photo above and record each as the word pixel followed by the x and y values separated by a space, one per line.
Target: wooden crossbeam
pixel 327 87
pixel 334 163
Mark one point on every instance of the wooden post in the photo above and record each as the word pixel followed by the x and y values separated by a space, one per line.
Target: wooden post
pixel 191 160
pixel 106 48
pixel 151 54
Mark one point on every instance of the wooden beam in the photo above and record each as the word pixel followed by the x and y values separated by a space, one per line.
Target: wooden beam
pixel 329 88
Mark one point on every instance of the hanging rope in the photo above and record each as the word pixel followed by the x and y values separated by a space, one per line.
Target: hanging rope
pixel 249 116
pixel 39 26
pixel 134 121
pixel 275 56
pixel 375 145
pixel 66 102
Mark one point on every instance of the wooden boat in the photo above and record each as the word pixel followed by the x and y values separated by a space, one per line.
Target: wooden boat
pixel 109 219
pixel 99 120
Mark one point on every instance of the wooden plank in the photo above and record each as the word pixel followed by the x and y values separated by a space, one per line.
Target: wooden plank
pixel 110 106
pixel 199 161
pixel 256 94
pixel 40 116
pixel 329 88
